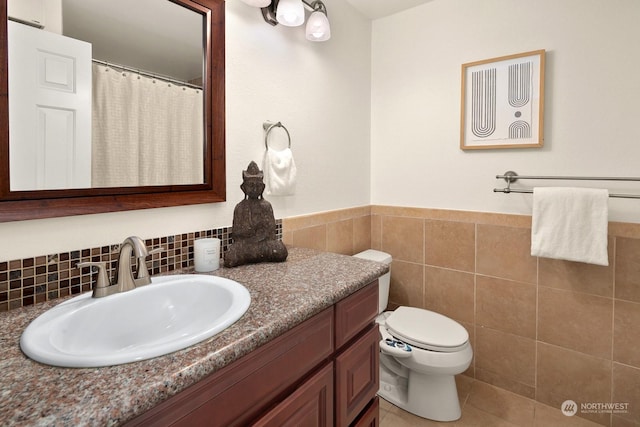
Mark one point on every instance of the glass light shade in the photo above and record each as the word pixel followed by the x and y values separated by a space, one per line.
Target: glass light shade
pixel 318 28
pixel 290 13
pixel 257 3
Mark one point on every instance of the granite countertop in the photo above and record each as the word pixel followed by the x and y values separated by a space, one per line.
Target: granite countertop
pixel 282 296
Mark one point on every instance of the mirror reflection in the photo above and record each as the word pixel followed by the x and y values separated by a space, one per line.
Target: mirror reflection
pixel 106 94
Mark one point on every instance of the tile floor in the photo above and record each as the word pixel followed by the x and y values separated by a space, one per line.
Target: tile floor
pixel 484 405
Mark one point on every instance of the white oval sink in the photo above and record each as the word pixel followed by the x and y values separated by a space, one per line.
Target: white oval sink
pixel 170 314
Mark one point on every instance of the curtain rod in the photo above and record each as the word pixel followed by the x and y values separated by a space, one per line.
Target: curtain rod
pixel 147 74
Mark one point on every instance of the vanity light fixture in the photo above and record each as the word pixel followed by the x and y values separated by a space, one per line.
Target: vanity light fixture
pixel 318 28
pixel 291 13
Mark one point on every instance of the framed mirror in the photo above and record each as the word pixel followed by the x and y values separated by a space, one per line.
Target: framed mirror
pixel 155 139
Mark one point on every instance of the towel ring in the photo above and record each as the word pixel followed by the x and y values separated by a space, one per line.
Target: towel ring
pixel 268 127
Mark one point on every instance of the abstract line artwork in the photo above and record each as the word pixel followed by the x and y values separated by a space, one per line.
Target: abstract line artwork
pixel 519 129
pixel 519 84
pixel 502 102
pixel 483 109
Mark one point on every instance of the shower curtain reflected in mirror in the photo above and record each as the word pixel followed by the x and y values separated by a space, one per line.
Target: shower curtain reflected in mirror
pixel 145 131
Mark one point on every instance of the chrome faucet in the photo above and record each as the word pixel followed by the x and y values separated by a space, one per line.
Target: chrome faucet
pixel 124 279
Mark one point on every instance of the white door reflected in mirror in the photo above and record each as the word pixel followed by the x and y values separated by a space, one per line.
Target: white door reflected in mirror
pixel 50 121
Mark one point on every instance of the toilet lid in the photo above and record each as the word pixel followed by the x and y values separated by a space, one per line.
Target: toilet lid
pixel 426 329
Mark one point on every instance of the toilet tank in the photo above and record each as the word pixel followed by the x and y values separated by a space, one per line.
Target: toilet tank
pixel 384 280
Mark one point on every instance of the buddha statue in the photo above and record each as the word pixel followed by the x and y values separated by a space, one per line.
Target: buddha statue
pixel 254 226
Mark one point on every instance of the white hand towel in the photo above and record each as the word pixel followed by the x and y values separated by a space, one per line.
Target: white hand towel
pixel 279 172
pixel 570 224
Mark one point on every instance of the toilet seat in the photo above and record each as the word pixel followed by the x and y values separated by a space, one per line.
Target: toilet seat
pixel 426 329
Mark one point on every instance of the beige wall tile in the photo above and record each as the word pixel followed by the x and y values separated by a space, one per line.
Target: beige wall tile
pixel 626 389
pixel 471 329
pixel 506 305
pixel 340 237
pixel 505 252
pixel 505 383
pixel 522 221
pixel 376 232
pixel 628 269
pixel 463 385
pixel 312 237
pixel 304 221
pixel 578 276
pixel 287 237
pixel 450 244
pixel 361 234
pixel 320 218
pixel 402 211
pixel 450 293
pixel 403 238
pixel 505 355
pixel 624 229
pixel 566 374
pixel 576 321
pixel 626 333
pixel 348 213
pixel 407 284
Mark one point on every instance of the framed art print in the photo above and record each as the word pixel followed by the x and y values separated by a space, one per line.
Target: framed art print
pixel 503 102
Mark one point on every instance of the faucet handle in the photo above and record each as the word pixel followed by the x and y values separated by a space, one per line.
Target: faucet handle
pixel 103 279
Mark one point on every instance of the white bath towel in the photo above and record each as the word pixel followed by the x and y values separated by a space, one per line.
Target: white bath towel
pixel 280 172
pixel 570 224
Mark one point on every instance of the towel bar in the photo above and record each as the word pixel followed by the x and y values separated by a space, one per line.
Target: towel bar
pixel 511 177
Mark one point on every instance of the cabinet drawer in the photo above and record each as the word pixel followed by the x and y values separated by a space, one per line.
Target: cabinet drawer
pixel 238 393
pixel 355 312
pixel 357 377
pixel 310 405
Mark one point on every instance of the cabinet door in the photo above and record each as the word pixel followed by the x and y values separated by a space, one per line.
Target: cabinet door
pixel 357 377
pixel 370 417
pixel 311 405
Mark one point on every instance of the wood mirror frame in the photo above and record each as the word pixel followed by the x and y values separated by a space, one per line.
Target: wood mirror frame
pixel 24 205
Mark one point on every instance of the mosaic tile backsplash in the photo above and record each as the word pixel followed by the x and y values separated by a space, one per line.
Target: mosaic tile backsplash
pixel 42 278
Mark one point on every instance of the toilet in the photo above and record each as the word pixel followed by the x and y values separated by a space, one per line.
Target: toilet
pixel 420 353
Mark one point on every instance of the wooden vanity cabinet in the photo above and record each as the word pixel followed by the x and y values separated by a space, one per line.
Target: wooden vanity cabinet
pixel 323 372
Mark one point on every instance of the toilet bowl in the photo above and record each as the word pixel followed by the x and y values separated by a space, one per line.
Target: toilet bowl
pixel 420 353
